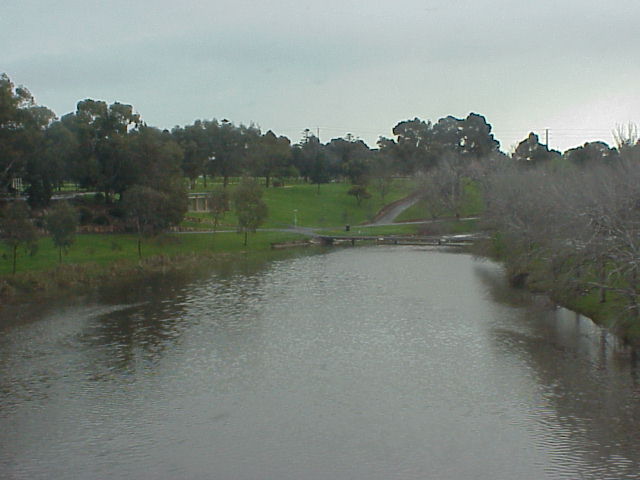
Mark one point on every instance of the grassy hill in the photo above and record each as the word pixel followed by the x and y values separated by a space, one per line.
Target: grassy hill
pixel 332 207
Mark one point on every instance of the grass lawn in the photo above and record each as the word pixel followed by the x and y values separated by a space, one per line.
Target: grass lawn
pixel 109 248
pixel 301 203
pixel 332 207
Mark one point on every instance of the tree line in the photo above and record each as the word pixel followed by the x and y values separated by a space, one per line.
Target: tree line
pixel 110 149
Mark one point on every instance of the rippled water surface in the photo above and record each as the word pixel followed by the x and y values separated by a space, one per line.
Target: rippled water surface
pixel 371 363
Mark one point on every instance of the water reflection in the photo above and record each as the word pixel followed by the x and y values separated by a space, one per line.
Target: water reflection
pixel 589 399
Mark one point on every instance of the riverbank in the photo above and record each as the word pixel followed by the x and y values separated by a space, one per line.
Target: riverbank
pixel 295 211
pixel 605 308
pixel 96 260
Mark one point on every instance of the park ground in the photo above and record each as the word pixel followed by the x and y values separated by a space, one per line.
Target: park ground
pixel 296 212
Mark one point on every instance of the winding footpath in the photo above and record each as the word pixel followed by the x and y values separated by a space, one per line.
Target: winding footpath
pixel 388 214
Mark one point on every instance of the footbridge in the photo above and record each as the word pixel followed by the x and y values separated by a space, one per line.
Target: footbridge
pixel 443 241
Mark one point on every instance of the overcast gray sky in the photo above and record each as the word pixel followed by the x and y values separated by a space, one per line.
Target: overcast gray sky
pixel 343 66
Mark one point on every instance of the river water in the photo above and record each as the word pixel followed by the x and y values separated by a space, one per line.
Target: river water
pixel 368 363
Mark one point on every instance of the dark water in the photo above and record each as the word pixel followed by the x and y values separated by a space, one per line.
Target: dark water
pixel 372 363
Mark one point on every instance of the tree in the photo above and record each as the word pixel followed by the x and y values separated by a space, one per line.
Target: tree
pixel 22 130
pixel 421 145
pixel 151 211
pixel 155 159
pixel 360 192
pixel 102 160
pixel 16 230
pixel 382 170
pixel 14 103
pixel 315 161
pixel 218 205
pixel 270 155
pixel 591 154
pixel 414 148
pixel 443 187
pixel 249 206
pixel 60 144
pixel 196 147
pixel 37 173
pixel 531 152
pixel 61 222
pixel 230 146
pixel 352 158
pixel 476 139
pixel 626 136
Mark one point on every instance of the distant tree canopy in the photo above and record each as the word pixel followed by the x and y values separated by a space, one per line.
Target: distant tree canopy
pixel 271 156
pixel 102 158
pixel 421 145
pixel 592 154
pixel 216 149
pixel 531 152
pixel 352 159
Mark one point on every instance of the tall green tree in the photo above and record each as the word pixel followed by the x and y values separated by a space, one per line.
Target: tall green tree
pixel 353 158
pixel 102 160
pixel 316 161
pixel 61 222
pixel 359 192
pixel 152 211
pixel 17 230
pixel 592 154
pixel 271 155
pixel 531 152
pixel 155 159
pixel 22 127
pixel 249 206
pixel 14 103
pixel 477 140
pixel 219 200
pixel 197 148
pixel 231 147
pixel 414 147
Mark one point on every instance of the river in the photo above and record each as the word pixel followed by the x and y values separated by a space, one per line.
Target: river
pixel 368 363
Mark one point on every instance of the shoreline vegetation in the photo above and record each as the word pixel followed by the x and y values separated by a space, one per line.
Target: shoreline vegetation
pixel 115 259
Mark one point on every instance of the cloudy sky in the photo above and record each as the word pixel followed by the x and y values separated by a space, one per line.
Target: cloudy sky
pixel 360 67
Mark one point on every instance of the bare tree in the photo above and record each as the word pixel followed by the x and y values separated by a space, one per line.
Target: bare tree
pixel 625 135
pixel 443 187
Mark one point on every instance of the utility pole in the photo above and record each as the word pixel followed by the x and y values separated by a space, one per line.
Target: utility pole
pixel 546 137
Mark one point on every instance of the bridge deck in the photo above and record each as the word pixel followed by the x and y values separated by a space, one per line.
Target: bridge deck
pixel 395 240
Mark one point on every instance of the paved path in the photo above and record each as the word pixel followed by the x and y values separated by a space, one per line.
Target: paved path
pixel 388 216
